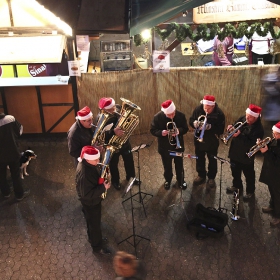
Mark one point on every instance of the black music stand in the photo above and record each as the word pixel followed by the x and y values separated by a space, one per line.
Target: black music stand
pixel 136 149
pixel 134 235
pixel 222 161
pixel 181 200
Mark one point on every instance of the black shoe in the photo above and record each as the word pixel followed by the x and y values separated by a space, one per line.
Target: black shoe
pixel 105 251
pixel 136 182
pixel 211 183
pixel 167 185
pixel 198 181
pixel 183 186
pixel 231 189
pixel 25 194
pixel 117 186
pixel 248 196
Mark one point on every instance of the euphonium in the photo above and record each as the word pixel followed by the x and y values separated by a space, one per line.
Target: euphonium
pixel 201 128
pixel 172 130
pixel 105 174
pixel 127 122
pixel 259 145
pixel 235 206
pixel 98 135
pixel 227 135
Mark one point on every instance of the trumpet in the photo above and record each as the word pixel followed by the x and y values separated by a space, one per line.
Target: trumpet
pixel 259 145
pixel 227 135
pixel 202 120
pixel 172 129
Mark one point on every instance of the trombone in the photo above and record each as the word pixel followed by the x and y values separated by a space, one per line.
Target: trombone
pixel 227 135
pixel 261 144
pixel 202 120
pixel 172 129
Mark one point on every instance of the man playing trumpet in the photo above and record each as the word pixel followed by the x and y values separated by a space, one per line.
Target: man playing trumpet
pixel 169 114
pixel 269 172
pixel 208 143
pixel 241 143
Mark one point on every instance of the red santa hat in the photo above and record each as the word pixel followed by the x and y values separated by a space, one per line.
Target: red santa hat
pixel 208 100
pixel 84 114
pixel 106 103
pixel 253 110
pixel 276 127
pixel 168 107
pixel 90 153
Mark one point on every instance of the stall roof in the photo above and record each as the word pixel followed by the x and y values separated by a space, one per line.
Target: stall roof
pixel 146 14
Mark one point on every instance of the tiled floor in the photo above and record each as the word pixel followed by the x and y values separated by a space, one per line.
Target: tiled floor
pixel 44 236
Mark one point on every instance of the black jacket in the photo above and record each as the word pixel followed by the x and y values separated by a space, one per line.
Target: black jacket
pixel 88 188
pixel 10 130
pixel 271 164
pixel 241 144
pixel 211 136
pixel 78 137
pixel 159 124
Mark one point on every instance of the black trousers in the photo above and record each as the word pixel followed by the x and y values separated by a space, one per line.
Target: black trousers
pixel 275 199
pixel 128 165
pixel 15 174
pixel 92 215
pixel 249 172
pixel 167 165
pixel 201 163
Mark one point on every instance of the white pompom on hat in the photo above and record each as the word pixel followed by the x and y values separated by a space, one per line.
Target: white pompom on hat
pixel 253 110
pixel 208 100
pixel 106 103
pixel 168 107
pixel 276 127
pixel 90 153
pixel 84 114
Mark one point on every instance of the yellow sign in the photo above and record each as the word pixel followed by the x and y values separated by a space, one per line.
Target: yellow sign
pixel 235 10
pixel 7 71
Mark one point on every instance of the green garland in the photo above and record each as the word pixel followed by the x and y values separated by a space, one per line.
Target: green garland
pixel 205 32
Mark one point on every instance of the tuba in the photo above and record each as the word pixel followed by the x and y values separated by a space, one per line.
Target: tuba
pixel 201 128
pixel 127 122
pixel 99 135
pixel 172 129
pixel 259 145
pixel 235 206
pixel 226 136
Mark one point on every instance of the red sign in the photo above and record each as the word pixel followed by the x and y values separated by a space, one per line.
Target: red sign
pixel 37 70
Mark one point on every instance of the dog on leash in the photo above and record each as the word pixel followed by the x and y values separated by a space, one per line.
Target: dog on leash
pixel 24 161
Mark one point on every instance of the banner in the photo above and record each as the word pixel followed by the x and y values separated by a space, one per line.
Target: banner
pixel 161 61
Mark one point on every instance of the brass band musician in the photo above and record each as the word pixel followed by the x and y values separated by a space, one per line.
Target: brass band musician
pixel 241 143
pixel 269 174
pixel 159 128
pixel 110 106
pixel 208 145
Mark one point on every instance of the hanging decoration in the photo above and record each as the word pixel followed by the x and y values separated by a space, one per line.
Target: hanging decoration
pixel 205 32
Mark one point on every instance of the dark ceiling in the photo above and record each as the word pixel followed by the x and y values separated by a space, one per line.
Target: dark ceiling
pixel 91 16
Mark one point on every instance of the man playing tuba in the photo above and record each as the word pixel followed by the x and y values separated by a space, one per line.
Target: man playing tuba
pixel 109 105
pixel 159 128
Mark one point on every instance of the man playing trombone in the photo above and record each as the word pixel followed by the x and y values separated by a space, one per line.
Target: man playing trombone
pixel 270 174
pixel 169 125
pixel 242 140
pixel 208 120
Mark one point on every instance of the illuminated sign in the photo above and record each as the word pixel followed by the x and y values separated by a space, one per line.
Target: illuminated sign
pixel 235 10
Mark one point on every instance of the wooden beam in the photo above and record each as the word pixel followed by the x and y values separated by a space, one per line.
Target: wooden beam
pixel 173 45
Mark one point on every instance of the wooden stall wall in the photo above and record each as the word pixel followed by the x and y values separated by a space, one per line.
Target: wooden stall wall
pixel 234 87
pixel 41 109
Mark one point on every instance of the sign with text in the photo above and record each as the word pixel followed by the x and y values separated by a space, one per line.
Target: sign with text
pixel 235 10
pixel 161 61
pixel 74 68
pixel 7 71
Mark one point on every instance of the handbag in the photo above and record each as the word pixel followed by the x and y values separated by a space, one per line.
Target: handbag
pixel 208 222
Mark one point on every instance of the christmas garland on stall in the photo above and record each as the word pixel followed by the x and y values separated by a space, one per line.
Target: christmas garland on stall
pixel 205 32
